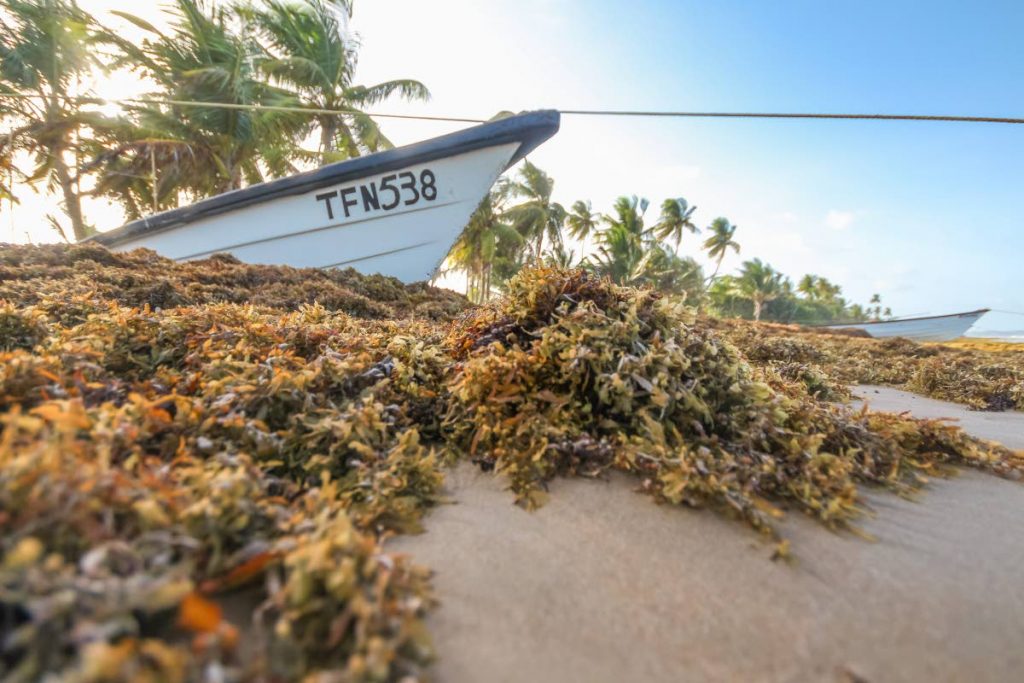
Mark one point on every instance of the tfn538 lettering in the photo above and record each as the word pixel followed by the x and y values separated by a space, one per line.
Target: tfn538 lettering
pixel 390 192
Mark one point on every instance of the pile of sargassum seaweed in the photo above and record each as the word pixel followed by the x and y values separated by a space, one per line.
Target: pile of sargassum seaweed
pixel 199 462
pixel 982 375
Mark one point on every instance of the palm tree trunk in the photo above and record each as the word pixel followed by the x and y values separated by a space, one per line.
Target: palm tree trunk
pixel 717 266
pixel 757 308
pixel 328 134
pixel 72 202
pixel 476 287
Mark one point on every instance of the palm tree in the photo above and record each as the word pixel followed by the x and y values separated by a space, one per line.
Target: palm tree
pixel 876 299
pixel 581 219
pixel 628 213
pixel 45 46
pixel 720 242
pixel 486 242
pixel 620 256
pixel 669 272
pixel 559 257
pixel 759 283
pixel 826 291
pixel 623 242
pixel 723 294
pixel 309 50
pixel 144 163
pixel 206 57
pixel 819 289
pixel 676 218
pixel 537 218
pixel 808 286
pixel 6 171
pixel 630 253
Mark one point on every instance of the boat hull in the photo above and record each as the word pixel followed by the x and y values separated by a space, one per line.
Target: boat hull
pixel 396 213
pixel 407 241
pixel 932 329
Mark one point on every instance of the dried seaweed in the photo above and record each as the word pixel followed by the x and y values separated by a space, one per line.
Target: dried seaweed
pixel 982 375
pixel 153 464
pixel 633 381
pixel 199 462
pixel 51 274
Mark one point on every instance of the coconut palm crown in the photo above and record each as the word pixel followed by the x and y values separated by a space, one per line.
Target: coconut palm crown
pixel 307 49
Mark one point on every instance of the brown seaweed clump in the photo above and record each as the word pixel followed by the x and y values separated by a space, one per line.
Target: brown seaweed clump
pixel 572 374
pixel 52 274
pixel 984 376
pixel 156 466
pixel 199 462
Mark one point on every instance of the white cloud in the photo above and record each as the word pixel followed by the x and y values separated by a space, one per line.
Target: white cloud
pixel 839 220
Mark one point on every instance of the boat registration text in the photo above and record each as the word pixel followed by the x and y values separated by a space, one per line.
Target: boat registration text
pixel 388 193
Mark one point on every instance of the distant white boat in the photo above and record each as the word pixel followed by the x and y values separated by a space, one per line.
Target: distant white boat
pixel 932 328
pixel 396 212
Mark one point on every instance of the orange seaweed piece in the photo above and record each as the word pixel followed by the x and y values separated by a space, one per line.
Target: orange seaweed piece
pixel 196 613
pixel 241 574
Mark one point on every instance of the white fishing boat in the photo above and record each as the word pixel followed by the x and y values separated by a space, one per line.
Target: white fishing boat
pixel 396 212
pixel 935 328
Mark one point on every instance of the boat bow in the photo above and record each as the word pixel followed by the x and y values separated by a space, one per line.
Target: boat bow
pixel 395 212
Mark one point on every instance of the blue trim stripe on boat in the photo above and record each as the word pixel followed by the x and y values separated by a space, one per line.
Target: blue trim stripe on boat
pixel 529 130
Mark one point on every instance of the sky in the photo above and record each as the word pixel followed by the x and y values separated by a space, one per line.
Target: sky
pixel 929 215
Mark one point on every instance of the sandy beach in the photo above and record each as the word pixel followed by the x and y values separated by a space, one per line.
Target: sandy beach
pixel 1007 427
pixel 603 585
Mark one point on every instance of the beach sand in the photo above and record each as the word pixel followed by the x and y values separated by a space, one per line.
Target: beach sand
pixel 1006 428
pixel 601 584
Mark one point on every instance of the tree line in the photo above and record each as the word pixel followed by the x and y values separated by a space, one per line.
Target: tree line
pixel 160 153
pixel 519 224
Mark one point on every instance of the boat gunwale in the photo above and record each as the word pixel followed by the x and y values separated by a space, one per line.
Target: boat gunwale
pixel 529 130
pixel 980 311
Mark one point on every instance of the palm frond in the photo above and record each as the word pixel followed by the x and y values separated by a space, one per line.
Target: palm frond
pixel 406 88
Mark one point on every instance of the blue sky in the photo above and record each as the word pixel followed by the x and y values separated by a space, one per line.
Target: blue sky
pixel 927 214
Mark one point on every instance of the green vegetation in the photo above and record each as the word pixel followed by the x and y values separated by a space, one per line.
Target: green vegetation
pixel 45 47
pixel 504 235
pixel 203 57
pixel 571 373
pixel 759 292
pixel 536 217
pixel 489 249
pixel 307 49
pixel 719 242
